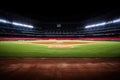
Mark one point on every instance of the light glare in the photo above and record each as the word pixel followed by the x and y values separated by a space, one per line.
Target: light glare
pixel 24 25
pixel 15 23
pixel 117 20
pixel 4 21
pixel 94 25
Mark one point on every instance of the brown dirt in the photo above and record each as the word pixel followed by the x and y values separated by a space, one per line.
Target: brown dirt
pixel 57 44
pixel 59 68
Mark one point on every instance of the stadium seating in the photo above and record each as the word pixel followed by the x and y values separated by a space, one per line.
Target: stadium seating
pixel 51 31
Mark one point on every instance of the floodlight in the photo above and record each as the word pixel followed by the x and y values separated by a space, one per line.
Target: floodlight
pixel 20 24
pixel 116 21
pixel 4 21
pixel 94 25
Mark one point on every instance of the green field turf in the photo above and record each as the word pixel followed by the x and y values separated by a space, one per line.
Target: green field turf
pixel 106 49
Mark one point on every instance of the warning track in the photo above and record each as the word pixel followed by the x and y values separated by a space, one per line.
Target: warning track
pixel 60 68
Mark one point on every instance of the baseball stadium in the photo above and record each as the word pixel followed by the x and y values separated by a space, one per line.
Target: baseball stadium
pixel 32 50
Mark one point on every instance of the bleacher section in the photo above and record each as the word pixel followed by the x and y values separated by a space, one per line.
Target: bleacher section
pixel 108 31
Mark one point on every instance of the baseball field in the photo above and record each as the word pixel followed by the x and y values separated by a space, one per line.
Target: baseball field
pixel 59 60
pixel 59 48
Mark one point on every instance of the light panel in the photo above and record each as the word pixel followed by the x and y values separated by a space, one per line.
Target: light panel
pixel 15 23
pixel 116 21
pixel 103 23
pixel 95 25
pixel 4 21
pixel 20 24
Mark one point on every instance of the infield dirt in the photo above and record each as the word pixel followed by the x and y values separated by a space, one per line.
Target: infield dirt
pixel 60 44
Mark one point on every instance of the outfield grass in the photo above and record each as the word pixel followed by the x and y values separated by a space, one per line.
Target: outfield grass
pixel 106 49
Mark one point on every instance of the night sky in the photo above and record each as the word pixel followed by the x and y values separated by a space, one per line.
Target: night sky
pixel 62 11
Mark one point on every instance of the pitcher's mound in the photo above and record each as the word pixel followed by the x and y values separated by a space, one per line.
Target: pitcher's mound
pixel 60 46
